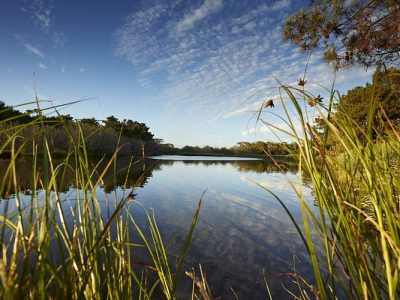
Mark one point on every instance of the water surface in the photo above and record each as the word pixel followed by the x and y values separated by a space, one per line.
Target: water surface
pixel 243 234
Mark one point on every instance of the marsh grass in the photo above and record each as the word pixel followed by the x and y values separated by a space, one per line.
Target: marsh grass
pixel 58 245
pixel 356 190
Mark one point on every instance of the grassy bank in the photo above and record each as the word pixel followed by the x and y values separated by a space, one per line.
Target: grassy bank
pixel 80 245
pixel 77 245
pixel 356 190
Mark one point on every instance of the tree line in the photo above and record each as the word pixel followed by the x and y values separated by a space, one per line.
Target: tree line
pixel 259 149
pixel 375 105
pixel 102 137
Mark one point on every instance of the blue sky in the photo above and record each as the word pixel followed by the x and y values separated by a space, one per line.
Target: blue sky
pixel 194 71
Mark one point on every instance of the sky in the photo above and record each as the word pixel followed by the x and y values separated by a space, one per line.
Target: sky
pixel 195 71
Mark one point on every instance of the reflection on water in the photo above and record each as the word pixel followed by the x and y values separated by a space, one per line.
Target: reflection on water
pixel 242 231
pixel 194 158
pixel 129 173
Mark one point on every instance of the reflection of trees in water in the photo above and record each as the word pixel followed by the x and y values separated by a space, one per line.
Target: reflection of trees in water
pixel 267 166
pixel 206 163
pixel 123 172
pixel 281 164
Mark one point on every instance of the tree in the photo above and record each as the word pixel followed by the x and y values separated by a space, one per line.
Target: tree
pixel 129 128
pixel 385 89
pixel 112 122
pixel 90 121
pixel 382 94
pixel 363 32
pixel 8 112
pixel 65 118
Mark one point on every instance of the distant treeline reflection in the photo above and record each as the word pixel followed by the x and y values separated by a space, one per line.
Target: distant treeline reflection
pixel 126 172
pixel 281 164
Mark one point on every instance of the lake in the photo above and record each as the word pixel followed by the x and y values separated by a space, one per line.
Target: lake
pixel 243 234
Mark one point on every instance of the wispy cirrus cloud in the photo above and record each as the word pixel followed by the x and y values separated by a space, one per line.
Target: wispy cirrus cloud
pixel 281 4
pixel 59 39
pixel 275 132
pixel 214 63
pixel 134 41
pixel 41 13
pixel 207 8
pixel 42 66
pixel 30 48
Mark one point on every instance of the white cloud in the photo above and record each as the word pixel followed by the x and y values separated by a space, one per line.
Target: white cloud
pixel 254 130
pixel 138 39
pixel 220 70
pixel 41 13
pixel 82 70
pixel 250 25
pixel 42 66
pixel 250 108
pixel 276 130
pixel 31 49
pixel 59 39
pixel 207 8
pixel 281 4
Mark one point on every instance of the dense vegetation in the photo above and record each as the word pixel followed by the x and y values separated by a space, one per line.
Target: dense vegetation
pixel 258 148
pixel 378 115
pixel 356 190
pixel 103 137
pixel 352 154
pixel 133 137
pixel 76 245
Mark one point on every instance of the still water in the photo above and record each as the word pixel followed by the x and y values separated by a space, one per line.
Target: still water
pixel 242 232
pixel 242 235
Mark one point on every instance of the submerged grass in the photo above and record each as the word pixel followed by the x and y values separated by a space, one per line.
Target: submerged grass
pixel 357 220
pixel 57 245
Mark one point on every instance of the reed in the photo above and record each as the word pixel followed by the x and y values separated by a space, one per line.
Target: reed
pixel 58 245
pixel 356 190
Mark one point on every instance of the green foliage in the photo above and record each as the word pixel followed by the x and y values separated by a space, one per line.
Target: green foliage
pixel 356 104
pixel 9 113
pixel 129 128
pixel 57 245
pixel 258 148
pixel 262 148
pixel 101 140
pixel 350 32
pixel 357 219
pixel 90 121
pixel 386 90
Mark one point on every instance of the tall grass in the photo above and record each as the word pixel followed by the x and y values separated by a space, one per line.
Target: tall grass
pixel 356 191
pixel 57 245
